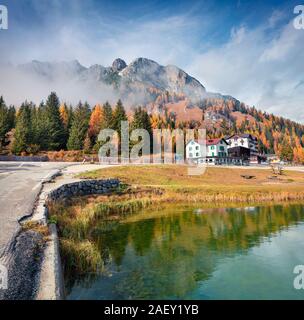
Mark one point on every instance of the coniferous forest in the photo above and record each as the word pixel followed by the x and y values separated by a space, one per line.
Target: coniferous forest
pixel 30 129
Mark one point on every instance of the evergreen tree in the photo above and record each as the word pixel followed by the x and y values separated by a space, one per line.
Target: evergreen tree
pixel 23 133
pixel 70 117
pixel 119 115
pixel 4 121
pixel 141 120
pixel 286 151
pixel 107 116
pixel 80 125
pixel 11 117
pixel 40 127
pixel 54 125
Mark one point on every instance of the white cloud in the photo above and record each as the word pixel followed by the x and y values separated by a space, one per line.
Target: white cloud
pixel 261 66
pixel 276 17
pixel 257 69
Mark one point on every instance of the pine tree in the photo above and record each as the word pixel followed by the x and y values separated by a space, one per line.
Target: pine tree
pixel 4 121
pixel 55 127
pixel 119 115
pixel 23 133
pixel 107 116
pixel 40 127
pixel 80 125
pixel 141 120
pixel 11 117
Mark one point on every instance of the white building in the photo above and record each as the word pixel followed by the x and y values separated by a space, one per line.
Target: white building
pixel 217 148
pixel 193 150
pixel 244 140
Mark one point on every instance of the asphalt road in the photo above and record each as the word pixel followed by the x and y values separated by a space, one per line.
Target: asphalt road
pixel 20 184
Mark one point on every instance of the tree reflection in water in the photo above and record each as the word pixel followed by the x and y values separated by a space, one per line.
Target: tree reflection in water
pixel 168 253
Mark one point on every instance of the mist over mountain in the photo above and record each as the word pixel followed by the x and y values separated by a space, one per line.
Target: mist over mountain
pixel 172 97
pixel 140 82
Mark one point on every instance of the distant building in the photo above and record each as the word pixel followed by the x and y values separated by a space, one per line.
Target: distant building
pixel 193 150
pixel 239 152
pixel 216 152
pixel 217 148
pixel 246 141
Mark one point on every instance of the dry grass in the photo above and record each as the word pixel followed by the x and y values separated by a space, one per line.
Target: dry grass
pixel 159 185
pixel 36 227
pixel 216 185
pixel 156 186
pixel 81 256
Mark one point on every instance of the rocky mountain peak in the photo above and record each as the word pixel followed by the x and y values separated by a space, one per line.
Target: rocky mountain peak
pixel 118 65
pixel 139 82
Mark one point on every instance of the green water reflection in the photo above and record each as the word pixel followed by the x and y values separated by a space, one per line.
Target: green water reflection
pixel 190 253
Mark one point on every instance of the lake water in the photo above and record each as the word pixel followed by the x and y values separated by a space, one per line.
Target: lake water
pixel 192 253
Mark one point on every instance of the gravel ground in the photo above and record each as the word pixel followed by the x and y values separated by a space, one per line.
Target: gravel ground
pixel 25 256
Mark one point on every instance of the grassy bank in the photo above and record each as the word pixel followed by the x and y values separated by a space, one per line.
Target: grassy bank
pixel 157 186
pixel 172 183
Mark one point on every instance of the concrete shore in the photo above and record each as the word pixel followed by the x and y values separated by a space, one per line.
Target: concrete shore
pixel 22 199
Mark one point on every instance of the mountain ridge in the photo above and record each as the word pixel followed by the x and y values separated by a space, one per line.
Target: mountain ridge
pixel 142 76
pixel 171 96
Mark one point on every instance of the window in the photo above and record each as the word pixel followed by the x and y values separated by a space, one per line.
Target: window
pixel 190 148
pixel 197 154
pixel 197 147
pixel 190 155
pixel 212 147
pixel 222 148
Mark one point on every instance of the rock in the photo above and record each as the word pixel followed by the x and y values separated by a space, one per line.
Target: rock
pixel 118 65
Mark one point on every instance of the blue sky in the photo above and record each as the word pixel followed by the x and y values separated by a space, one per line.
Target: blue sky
pixel 248 49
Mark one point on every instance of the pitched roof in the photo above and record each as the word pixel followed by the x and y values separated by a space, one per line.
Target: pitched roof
pixel 210 142
pixel 243 135
pixel 191 141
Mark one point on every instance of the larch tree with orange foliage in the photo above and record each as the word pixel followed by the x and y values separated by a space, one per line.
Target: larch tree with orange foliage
pixel 95 123
pixel 64 115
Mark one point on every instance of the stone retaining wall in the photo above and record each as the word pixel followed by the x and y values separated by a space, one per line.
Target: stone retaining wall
pixel 83 188
pixel 51 284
